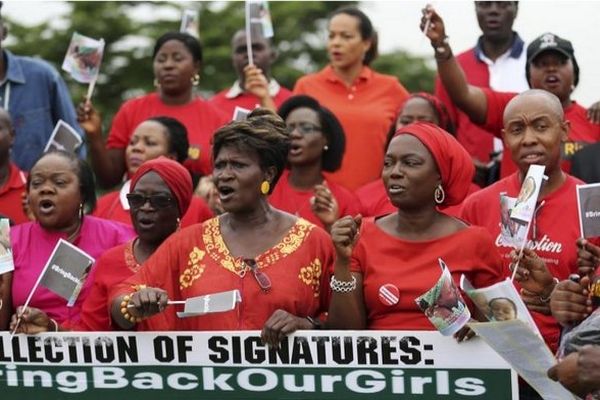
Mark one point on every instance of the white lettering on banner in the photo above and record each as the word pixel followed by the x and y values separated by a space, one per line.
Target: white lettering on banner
pixel 592 214
pixel 544 244
pixel 219 364
pixel 270 379
pixel 369 386
pixel 470 386
pixel 147 380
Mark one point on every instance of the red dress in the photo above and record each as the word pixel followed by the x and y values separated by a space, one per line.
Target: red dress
pixel 115 265
pixel 196 261
pixel 112 206
pixel 553 232
pixel 297 202
pixel 411 268
pixel 199 117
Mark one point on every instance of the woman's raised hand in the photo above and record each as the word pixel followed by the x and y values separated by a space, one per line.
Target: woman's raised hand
pixel 344 234
pixel 324 205
pixel 432 25
pixel 89 120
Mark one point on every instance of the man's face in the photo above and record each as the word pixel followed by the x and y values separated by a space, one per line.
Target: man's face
pixel 496 18
pixel 262 54
pixel 533 131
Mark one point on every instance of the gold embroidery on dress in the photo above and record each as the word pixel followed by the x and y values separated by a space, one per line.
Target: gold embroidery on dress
pixel 218 251
pixel 311 276
pixel 194 269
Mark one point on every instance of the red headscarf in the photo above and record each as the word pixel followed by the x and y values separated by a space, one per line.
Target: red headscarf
pixel 176 177
pixel 454 163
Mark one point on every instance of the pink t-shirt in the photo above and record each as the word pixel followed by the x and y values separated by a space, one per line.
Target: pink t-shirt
pixel 32 246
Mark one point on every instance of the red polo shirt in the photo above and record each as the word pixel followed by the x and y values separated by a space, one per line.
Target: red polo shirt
pixel 366 110
pixel 10 195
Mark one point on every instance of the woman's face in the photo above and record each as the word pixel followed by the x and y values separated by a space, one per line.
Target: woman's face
pixel 554 73
pixel 345 46
pixel 154 222
pixel 410 173
pixel 237 175
pixel 416 109
pixel 54 192
pixel 174 67
pixel 149 141
pixel 307 137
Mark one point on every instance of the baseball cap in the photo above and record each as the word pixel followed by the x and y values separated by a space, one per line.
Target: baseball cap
pixel 551 42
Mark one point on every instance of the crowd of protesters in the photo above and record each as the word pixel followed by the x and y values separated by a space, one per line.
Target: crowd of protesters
pixel 327 206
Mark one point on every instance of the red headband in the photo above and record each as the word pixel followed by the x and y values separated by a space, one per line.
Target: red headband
pixel 176 177
pixel 454 163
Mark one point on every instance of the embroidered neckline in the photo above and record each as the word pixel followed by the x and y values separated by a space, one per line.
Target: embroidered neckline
pixel 130 260
pixel 218 251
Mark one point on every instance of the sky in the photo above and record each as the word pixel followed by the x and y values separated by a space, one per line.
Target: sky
pixel 397 24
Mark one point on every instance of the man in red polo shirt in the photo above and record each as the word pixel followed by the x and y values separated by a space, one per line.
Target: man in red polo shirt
pixel 497 61
pixel 551 66
pixel 254 87
pixel 12 179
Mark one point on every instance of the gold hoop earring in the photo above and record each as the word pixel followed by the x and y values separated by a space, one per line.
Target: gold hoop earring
pixel 439 195
pixel 265 187
pixel 195 79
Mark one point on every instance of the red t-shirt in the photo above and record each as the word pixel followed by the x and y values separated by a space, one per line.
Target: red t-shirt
pixel 375 201
pixel 582 131
pixel 294 201
pixel 11 193
pixel 412 268
pixel 245 100
pixel 555 240
pixel 110 207
pixel 366 111
pixel 199 117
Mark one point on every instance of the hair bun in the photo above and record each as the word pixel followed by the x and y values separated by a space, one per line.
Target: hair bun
pixel 260 116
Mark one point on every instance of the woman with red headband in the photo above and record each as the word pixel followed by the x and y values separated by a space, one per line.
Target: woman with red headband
pixel 420 106
pixel 161 192
pixel 384 263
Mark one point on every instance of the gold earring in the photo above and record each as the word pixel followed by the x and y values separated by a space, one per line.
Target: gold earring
pixel 265 187
pixel 195 79
pixel 156 83
pixel 178 224
pixel 439 195
pixel 80 211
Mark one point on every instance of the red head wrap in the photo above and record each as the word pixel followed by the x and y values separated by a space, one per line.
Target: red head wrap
pixel 176 177
pixel 454 163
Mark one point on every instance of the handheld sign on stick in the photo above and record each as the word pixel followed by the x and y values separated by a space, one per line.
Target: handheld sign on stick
pixel 83 60
pixel 588 205
pixel 258 23
pixel 526 203
pixel 6 257
pixel 63 137
pixel 189 23
pixel 64 274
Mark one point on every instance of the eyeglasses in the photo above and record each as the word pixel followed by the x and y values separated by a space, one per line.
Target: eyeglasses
pixel 261 278
pixel 304 128
pixel 157 201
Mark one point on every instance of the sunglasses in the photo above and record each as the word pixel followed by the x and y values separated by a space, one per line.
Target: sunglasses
pixel 261 278
pixel 304 128
pixel 157 201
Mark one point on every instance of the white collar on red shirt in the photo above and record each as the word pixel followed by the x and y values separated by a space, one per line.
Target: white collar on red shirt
pixel 237 90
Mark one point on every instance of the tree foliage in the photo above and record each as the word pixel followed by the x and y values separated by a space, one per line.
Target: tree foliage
pixel 130 28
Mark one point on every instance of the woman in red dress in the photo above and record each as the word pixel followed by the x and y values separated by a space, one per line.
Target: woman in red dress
pixel 276 261
pixel 383 264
